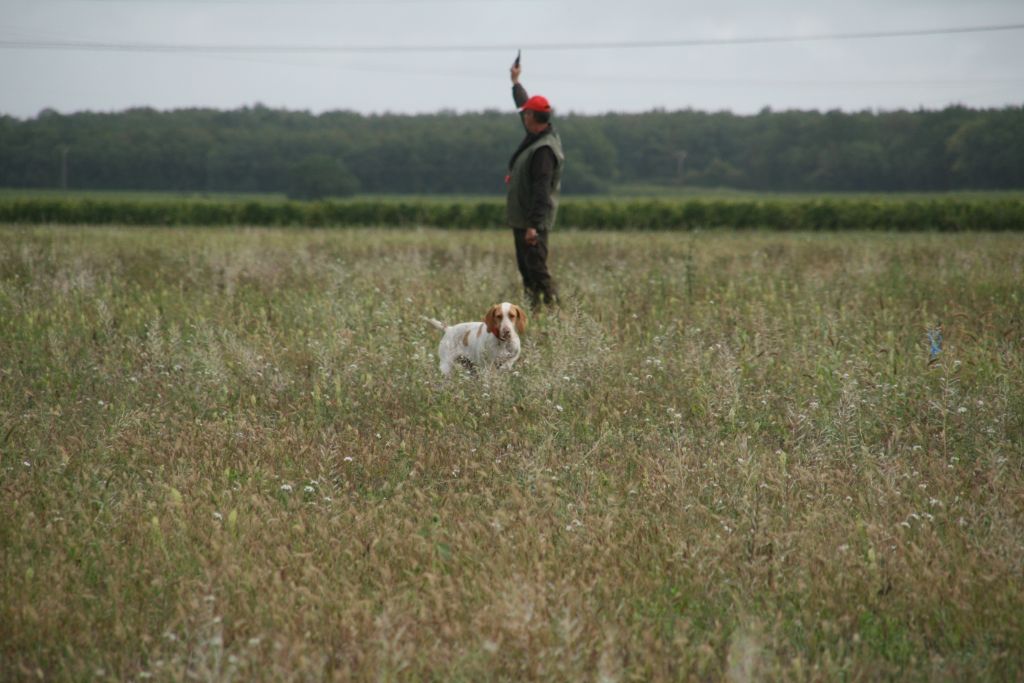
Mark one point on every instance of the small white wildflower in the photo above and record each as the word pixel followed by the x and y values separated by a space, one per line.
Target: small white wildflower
pixel 843 548
pixel 217 515
pixel 328 499
pixel 347 458
pixel 962 409
pixel 566 378
pixel 26 463
pixel 559 408
pixel 905 524
pixel 308 489
pixel 286 488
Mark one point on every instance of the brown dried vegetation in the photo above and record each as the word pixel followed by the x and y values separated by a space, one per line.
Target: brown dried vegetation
pixel 228 455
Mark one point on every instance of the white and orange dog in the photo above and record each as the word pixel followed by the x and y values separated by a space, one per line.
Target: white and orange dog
pixel 493 342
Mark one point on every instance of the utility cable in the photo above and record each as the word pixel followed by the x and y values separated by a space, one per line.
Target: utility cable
pixel 82 45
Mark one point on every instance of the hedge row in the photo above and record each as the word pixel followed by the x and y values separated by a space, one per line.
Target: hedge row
pixel 778 214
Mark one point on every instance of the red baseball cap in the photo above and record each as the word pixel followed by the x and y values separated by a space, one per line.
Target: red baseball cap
pixel 537 103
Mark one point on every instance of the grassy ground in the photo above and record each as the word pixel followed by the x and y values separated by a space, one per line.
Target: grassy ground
pixel 617 193
pixel 228 455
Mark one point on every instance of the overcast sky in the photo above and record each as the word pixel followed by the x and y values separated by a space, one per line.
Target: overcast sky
pixel 979 69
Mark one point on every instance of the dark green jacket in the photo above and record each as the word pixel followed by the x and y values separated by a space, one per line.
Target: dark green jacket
pixel 528 207
pixel 534 178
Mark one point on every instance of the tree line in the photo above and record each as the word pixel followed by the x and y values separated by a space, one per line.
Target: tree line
pixel 259 149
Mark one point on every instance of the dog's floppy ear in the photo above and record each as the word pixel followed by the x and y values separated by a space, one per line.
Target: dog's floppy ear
pixel 520 319
pixel 491 319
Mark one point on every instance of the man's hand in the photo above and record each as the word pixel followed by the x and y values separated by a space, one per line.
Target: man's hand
pixel 515 71
pixel 531 236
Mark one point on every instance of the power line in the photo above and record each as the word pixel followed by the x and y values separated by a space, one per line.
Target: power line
pixel 96 46
pixel 337 3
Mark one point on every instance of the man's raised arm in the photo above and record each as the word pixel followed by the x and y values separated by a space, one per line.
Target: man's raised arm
pixel 518 91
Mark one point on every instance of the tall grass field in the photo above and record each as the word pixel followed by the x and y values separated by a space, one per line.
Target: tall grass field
pixel 228 455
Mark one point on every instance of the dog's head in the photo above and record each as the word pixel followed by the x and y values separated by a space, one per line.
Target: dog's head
pixel 503 319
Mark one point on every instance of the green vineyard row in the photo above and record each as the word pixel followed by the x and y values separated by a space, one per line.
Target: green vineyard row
pixel 646 214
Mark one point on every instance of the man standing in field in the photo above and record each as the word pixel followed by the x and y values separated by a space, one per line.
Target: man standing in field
pixel 534 180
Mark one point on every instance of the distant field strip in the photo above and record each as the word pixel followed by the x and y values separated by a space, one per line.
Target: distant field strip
pixel 228 454
pixel 997 213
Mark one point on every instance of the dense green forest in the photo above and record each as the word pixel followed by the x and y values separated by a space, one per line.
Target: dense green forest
pixel 258 149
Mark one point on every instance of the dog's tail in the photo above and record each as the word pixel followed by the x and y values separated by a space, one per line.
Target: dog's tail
pixel 436 323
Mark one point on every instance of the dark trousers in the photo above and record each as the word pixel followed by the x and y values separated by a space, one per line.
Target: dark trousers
pixel 532 260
